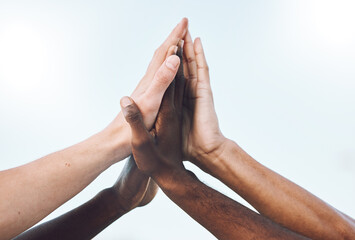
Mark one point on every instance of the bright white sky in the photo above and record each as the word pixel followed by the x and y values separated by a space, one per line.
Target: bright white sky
pixel 282 73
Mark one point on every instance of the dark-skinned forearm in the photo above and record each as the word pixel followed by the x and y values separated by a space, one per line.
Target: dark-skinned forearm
pixel 278 198
pixel 223 217
pixel 83 222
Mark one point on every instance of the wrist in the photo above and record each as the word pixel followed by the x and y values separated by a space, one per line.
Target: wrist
pixel 118 137
pixel 229 157
pixel 169 178
pixel 207 160
pixel 110 200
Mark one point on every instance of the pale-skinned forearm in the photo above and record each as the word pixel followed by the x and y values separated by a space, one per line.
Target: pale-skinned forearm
pixel 276 197
pixel 223 217
pixel 132 189
pixel 30 192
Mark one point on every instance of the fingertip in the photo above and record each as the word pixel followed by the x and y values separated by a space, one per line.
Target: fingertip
pixel 198 45
pixel 185 19
pixel 184 23
pixel 126 106
pixel 172 62
pixel 126 101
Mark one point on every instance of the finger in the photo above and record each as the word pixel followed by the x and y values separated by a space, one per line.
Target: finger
pixel 172 50
pixel 177 34
pixel 160 55
pixel 167 103
pixel 161 81
pixel 203 76
pixel 179 80
pixel 190 58
pixel 167 116
pixel 144 84
pixel 140 136
pixel 173 39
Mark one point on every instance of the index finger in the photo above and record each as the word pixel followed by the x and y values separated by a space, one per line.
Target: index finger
pixel 179 80
pixel 173 39
pixel 160 55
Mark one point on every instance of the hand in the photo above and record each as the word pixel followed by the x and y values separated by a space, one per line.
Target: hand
pixel 133 188
pixel 150 90
pixel 158 150
pixel 202 138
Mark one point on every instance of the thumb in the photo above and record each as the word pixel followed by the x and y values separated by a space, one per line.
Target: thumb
pixel 134 118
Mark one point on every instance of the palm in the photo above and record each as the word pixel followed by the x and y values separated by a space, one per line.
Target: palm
pixel 200 125
pixel 201 133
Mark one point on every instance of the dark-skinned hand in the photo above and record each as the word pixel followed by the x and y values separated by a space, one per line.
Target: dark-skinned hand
pixel 161 148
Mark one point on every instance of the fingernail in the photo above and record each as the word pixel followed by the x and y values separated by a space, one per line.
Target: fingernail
pixel 175 49
pixel 181 43
pixel 180 47
pixel 172 62
pixel 125 102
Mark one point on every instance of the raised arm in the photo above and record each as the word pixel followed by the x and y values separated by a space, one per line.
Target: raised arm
pixel 30 192
pixel 159 154
pixel 131 190
pixel 222 216
pixel 271 194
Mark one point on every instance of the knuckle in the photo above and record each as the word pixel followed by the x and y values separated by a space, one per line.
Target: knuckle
pixel 203 67
pixel 163 76
pixel 157 51
pixel 190 59
pixel 150 105
pixel 192 76
pixel 207 68
pixel 141 145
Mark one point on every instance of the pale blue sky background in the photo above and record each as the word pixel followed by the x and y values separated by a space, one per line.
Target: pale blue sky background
pixel 282 72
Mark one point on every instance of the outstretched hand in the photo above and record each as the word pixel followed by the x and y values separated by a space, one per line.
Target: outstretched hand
pixel 150 90
pixel 160 150
pixel 202 138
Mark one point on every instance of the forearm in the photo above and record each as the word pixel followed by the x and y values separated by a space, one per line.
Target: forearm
pixel 30 192
pixel 84 222
pixel 278 198
pixel 223 217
